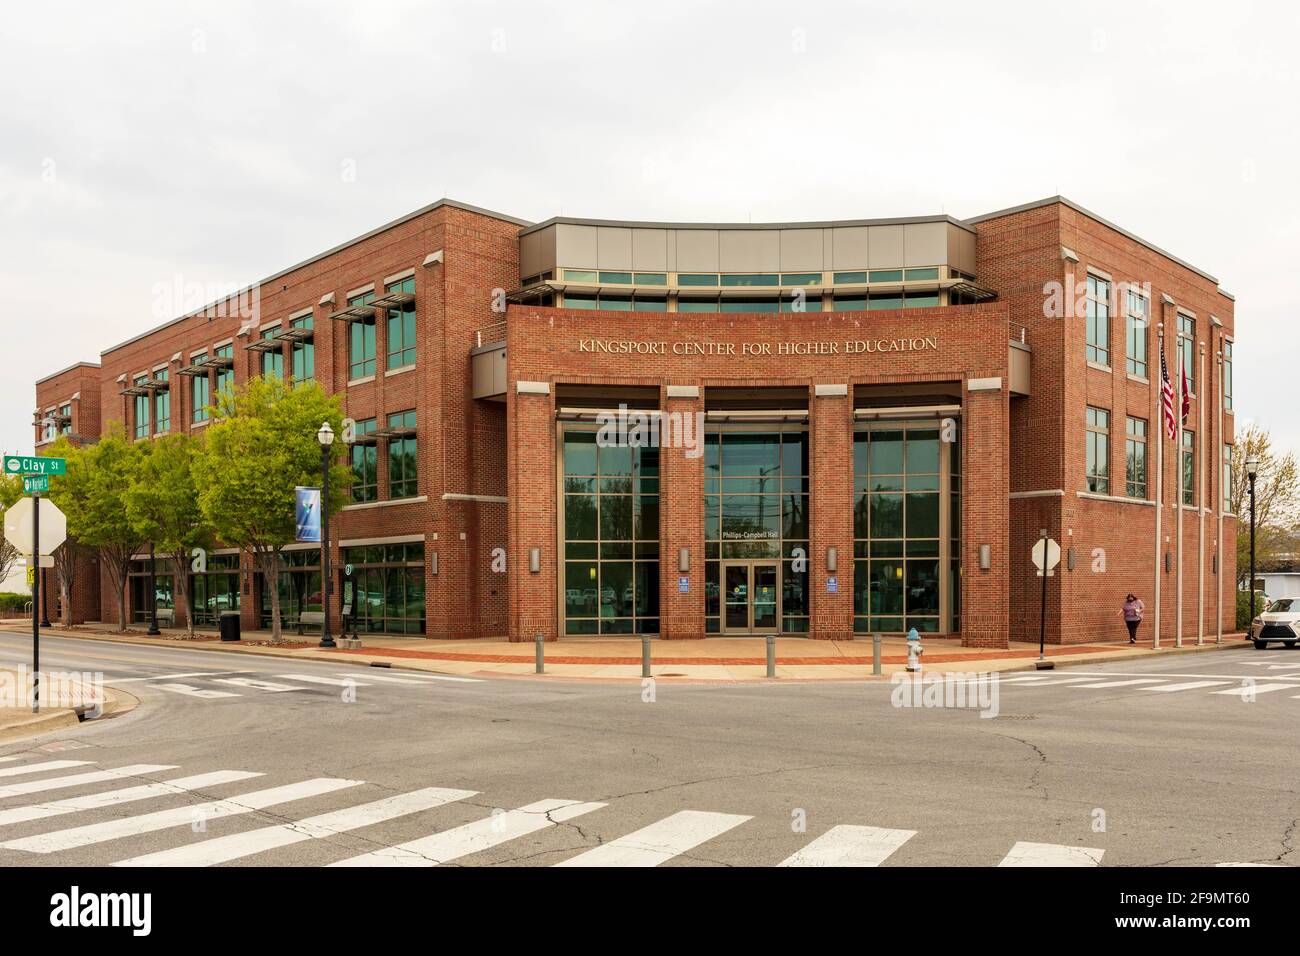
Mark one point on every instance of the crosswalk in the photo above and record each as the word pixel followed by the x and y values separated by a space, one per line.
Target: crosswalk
pixel 1242 687
pixel 112 820
pixel 231 685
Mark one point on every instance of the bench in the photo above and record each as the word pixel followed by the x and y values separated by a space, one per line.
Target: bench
pixel 166 616
pixel 311 619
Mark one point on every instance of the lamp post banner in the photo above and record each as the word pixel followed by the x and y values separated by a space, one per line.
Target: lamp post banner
pixel 307 514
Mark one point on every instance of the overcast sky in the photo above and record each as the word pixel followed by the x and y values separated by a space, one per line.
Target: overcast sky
pixel 146 143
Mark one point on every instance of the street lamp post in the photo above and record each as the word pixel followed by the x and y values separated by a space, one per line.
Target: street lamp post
pixel 1252 468
pixel 325 435
pixel 153 596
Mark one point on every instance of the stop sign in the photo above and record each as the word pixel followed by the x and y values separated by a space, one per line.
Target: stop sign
pixel 18 525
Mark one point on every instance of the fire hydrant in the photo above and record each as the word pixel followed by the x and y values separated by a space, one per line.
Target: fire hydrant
pixel 914 650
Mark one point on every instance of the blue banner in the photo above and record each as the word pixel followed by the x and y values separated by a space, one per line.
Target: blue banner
pixel 307 514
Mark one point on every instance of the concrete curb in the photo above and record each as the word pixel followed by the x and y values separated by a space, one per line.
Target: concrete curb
pixel 33 725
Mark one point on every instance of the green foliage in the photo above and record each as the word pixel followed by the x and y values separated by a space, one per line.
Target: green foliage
pixel 260 448
pixel 11 489
pixel 93 497
pixel 162 504
pixel 107 470
pixel 1243 607
pixel 13 602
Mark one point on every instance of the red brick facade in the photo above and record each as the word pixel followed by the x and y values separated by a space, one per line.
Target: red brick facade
pixel 488 474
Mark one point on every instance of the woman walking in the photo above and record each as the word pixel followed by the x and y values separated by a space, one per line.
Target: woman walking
pixel 1132 611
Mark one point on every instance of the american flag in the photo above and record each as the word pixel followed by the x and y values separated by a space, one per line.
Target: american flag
pixel 1167 396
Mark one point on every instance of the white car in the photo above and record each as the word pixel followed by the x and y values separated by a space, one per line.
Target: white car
pixel 1280 622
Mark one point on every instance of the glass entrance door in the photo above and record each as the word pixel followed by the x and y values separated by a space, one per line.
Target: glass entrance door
pixel 750 597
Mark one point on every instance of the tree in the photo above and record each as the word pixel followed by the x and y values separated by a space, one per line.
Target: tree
pixel 1277 499
pixel 68 492
pixel 11 489
pixel 96 506
pixel 163 507
pixel 262 446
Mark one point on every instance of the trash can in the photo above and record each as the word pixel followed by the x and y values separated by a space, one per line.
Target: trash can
pixel 229 625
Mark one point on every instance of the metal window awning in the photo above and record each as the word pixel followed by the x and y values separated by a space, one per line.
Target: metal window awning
pixel 403 431
pixel 144 388
pixel 584 414
pixel 354 313
pixel 531 293
pixel 756 415
pixel 367 439
pixel 295 333
pixel 393 300
pixel 272 344
pixel 907 411
pixel 978 293
pixel 206 364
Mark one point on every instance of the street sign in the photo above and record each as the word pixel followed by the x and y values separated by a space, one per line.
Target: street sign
pixel 35 465
pixel 18 525
pixel 35 484
pixel 31 576
pixel 1052 558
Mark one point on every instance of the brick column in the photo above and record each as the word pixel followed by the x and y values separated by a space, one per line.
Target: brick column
pixel 681 512
pixel 985 516
pixel 533 511
pixel 831 508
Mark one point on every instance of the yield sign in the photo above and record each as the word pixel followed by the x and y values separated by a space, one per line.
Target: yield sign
pixel 18 525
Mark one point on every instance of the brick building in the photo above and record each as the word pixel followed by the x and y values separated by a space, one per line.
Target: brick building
pixel 583 427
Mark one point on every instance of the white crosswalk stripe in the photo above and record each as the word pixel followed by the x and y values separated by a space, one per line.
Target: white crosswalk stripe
pixel 1251 689
pixel 192 691
pixel 77 779
pixel 475 837
pixel 385 679
pixel 1186 685
pixel 236 845
pixel 1058 681
pixel 659 842
pixel 42 767
pixel 137 680
pixel 1132 682
pixel 112 798
pixel 330 681
pixel 9 759
pixel 267 685
pixel 180 816
pixel 850 846
pixel 1051 854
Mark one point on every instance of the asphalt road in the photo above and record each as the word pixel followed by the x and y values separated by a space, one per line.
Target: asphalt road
pixel 1199 773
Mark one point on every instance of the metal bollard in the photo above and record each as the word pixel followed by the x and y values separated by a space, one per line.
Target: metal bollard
pixel 645 655
pixel 875 654
pixel 540 641
pixel 771 655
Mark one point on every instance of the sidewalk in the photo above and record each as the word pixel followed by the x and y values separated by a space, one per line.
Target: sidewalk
pixel 712 659
pixel 17 722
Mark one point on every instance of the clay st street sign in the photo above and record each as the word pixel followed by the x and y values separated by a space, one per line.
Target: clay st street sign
pixel 34 465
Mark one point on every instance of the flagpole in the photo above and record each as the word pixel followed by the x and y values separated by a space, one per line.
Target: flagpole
pixel 1178 493
pixel 1160 481
pixel 1223 494
pixel 1200 500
